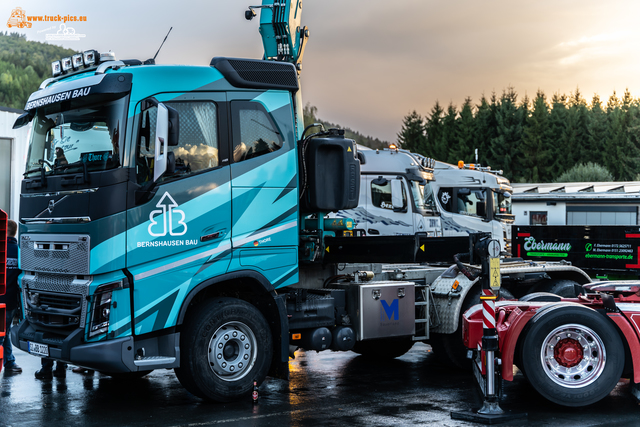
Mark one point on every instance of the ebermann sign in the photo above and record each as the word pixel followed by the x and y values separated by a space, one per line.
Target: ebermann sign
pixel 543 249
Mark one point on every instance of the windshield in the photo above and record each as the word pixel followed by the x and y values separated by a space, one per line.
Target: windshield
pixel 422 196
pixel 65 141
pixel 502 205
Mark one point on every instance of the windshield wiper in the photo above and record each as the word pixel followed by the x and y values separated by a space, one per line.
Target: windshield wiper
pixel 42 170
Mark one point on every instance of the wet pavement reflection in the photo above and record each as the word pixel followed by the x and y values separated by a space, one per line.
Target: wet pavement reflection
pixel 325 389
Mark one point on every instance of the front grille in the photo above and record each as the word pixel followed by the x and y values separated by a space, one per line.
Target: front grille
pixel 56 300
pixel 52 253
pixel 61 301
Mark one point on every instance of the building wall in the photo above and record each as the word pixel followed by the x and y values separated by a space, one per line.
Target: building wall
pixel 559 213
pixel 556 214
pixel 19 147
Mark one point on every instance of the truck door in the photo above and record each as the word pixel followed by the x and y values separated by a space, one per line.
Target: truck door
pixel 179 232
pixel 264 186
pixel 382 217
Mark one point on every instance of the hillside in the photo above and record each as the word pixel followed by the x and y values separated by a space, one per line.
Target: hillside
pixel 310 116
pixel 23 66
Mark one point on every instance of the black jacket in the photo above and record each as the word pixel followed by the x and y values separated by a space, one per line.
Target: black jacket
pixel 10 298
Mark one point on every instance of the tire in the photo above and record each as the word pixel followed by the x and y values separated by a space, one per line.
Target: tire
pixel 565 373
pixel 128 376
pixel 449 348
pixel 226 345
pixel 383 349
pixel 540 297
pixel 561 287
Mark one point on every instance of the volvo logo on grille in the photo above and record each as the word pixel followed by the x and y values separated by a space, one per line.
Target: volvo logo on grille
pixel 52 205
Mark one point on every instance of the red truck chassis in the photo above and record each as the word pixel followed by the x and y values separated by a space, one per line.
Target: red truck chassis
pixel 572 350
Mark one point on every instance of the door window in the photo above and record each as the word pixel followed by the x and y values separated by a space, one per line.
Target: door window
pixel 254 132
pixel 381 195
pixel 198 146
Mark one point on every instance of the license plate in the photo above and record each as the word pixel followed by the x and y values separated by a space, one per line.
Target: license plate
pixel 39 349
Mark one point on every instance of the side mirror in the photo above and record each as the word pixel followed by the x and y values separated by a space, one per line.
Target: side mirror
pixel 174 126
pixel 396 194
pixel 481 209
pixel 161 142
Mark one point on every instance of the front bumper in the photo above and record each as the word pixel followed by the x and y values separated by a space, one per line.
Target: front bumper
pixel 113 356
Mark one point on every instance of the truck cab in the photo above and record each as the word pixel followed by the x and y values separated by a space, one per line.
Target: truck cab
pixel 471 198
pixel 395 196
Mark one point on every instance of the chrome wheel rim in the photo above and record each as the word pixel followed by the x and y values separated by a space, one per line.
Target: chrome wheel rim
pixel 232 351
pixel 573 356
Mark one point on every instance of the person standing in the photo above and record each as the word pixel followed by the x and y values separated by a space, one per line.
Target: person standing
pixel 10 298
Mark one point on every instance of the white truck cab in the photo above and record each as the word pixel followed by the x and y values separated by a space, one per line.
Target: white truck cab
pixel 395 196
pixel 471 198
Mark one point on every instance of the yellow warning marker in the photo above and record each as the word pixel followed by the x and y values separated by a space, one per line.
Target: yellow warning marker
pixel 494 273
pixel 327 249
pixel 422 247
pixel 349 150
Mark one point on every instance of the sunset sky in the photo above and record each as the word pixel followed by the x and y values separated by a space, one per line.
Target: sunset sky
pixel 369 63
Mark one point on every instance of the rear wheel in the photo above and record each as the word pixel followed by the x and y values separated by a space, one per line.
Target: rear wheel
pixel 387 348
pixel 572 355
pixel 226 344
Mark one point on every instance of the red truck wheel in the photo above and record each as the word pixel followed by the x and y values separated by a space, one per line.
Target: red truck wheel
pixel 572 355
pixel 225 346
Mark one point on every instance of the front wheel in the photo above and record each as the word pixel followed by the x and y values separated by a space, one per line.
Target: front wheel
pixel 572 355
pixel 226 344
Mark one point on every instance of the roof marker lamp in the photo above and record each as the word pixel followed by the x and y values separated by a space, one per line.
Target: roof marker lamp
pixel 66 64
pixel 90 57
pixel 56 68
pixel 460 164
pixel 77 61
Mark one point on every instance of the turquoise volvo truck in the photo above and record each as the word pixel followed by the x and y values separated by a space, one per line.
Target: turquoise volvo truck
pixel 174 217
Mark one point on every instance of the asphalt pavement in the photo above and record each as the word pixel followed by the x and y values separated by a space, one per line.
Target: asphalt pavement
pixel 325 389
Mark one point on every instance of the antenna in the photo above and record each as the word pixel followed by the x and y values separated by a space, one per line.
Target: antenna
pixel 165 39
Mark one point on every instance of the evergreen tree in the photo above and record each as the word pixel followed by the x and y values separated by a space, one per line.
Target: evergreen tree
pixel 411 136
pixel 449 138
pixel 505 146
pixel 598 131
pixel 622 149
pixel 536 143
pixel 557 134
pixel 576 136
pixel 464 148
pixel 433 130
pixel 485 129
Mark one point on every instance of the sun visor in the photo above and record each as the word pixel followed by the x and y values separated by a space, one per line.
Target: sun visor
pixel 80 92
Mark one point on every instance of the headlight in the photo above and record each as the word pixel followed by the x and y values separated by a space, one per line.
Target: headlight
pixel 101 308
